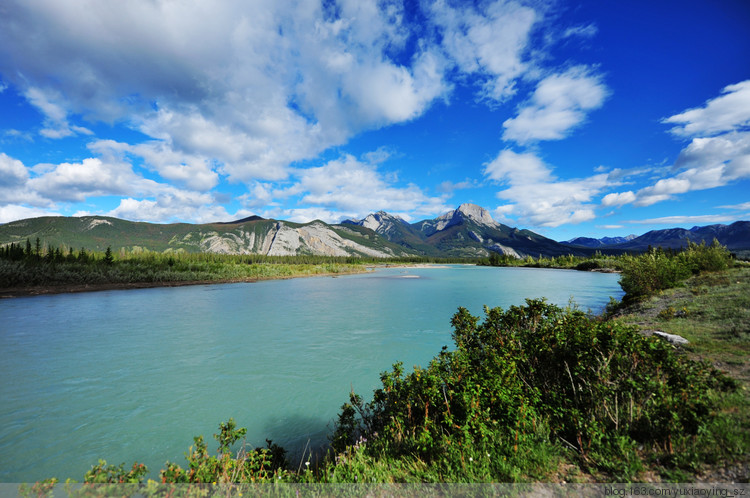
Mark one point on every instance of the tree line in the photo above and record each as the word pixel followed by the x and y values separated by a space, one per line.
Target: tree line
pixel 51 254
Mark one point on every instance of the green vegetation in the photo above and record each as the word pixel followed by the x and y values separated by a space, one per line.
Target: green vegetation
pixel 643 274
pixel 656 270
pixel 21 268
pixel 40 265
pixel 595 262
pixel 540 393
pixel 530 387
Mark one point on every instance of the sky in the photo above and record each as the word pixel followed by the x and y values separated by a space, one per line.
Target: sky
pixel 569 118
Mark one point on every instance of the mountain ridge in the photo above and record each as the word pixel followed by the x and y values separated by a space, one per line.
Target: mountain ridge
pixel 735 236
pixel 468 231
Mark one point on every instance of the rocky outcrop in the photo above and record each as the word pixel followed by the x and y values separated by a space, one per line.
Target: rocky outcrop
pixel 281 239
pixel 465 212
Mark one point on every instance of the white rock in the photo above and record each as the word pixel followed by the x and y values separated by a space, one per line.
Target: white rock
pixel 672 338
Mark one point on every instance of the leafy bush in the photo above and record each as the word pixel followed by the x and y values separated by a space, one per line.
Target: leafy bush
pixel 258 465
pixel 702 258
pixel 525 382
pixel 656 270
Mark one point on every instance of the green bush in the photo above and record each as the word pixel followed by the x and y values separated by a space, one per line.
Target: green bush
pixel 527 382
pixel 258 465
pixel 656 270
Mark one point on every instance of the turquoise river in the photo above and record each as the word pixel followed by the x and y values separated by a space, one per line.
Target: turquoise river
pixel 133 375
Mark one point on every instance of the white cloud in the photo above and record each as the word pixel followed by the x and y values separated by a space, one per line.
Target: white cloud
pixel 743 206
pixel 193 171
pixel 172 205
pixel 447 187
pixel 662 190
pixel 260 195
pixel 717 155
pixel 728 112
pixel 587 31
pixel 75 182
pixel 538 198
pixel 349 188
pixel 56 123
pixel 13 212
pixel 682 220
pixel 618 199
pixel 559 104
pixel 46 189
pixel 305 215
pixel 246 91
pixel 12 172
pixel 490 42
pixel 729 152
pixel 512 167
pixel 14 189
pixel 253 86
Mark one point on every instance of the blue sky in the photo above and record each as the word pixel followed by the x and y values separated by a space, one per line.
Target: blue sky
pixel 569 118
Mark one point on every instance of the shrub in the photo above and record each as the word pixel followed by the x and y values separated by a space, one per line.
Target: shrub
pixel 702 258
pixel 258 465
pixel 528 379
pixel 656 270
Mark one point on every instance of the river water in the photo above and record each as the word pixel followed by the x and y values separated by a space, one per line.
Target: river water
pixel 134 375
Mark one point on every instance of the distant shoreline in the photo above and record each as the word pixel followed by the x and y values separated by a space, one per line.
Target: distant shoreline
pixel 44 290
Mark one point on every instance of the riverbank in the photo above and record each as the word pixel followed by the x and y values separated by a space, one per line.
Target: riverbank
pixel 43 278
pixel 8 293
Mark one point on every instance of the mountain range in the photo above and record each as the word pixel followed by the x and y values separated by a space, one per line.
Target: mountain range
pixel 466 232
pixel 735 237
pixel 597 243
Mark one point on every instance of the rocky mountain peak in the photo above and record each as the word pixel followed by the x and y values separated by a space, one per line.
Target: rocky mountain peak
pixel 379 222
pixel 476 213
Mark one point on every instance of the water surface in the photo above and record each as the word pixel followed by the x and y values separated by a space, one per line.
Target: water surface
pixel 134 375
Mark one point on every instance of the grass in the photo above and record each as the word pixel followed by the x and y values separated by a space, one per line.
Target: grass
pixel 711 311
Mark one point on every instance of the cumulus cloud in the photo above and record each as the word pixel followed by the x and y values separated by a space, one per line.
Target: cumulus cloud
pixel 718 152
pixel 169 205
pixel 193 171
pixel 247 91
pixel 490 41
pixel 559 104
pixel 618 199
pixel 354 188
pixel 75 182
pixel 512 167
pixel 537 197
pixel 12 172
pixel 728 112
pixel 13 212
pixel 254 86
pixel 44 188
